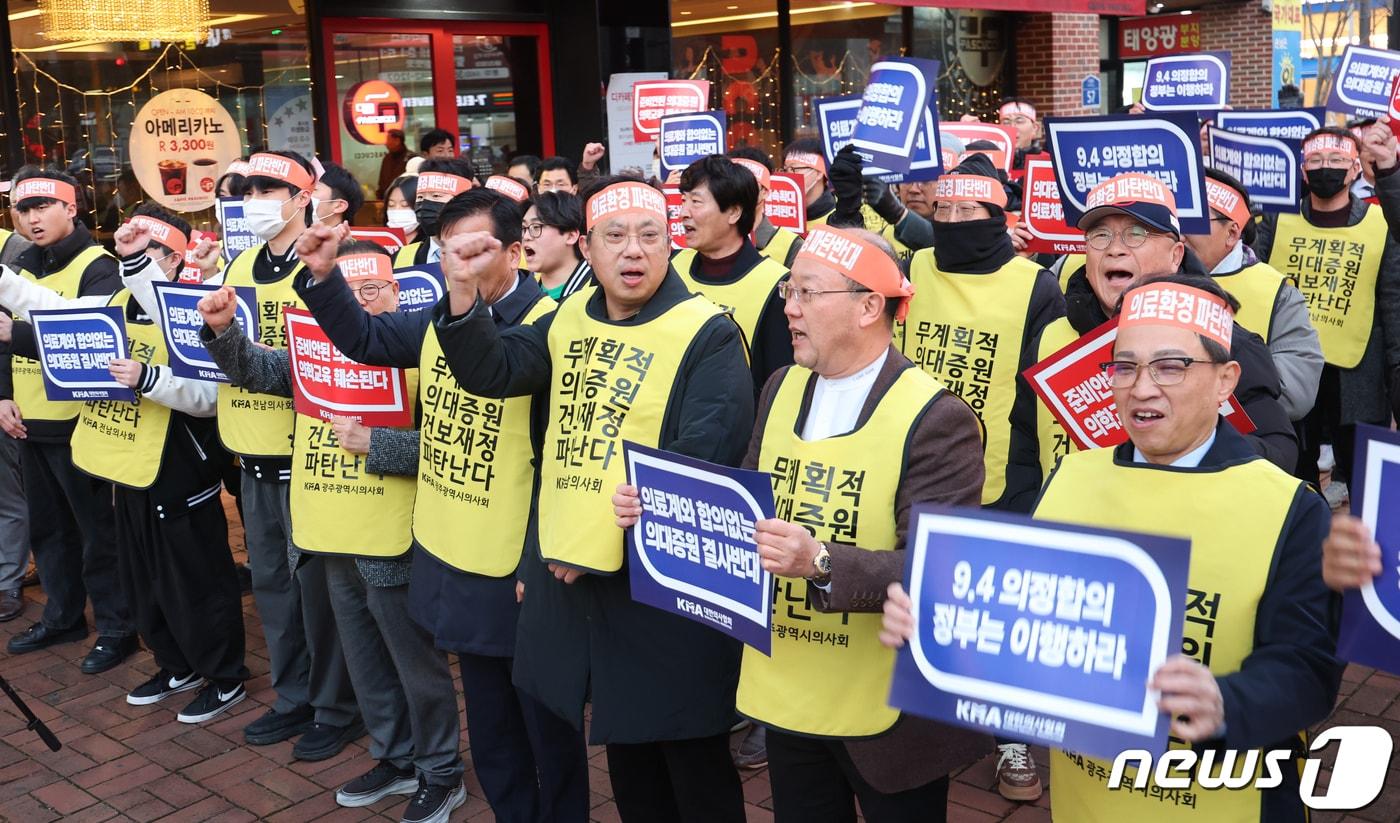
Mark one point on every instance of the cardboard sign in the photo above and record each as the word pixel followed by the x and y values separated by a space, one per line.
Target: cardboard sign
pixel 420 287
pixel 685 138
pixel 1073 386
pixel 654 99
pixel 1187 82
pixel 1268 167
pixel 897 93
pixel 1044 216
pixel 181 322
pixel 1159 34
pixel 673 216
pixel 1363 83
pixel 1280 124
pixel 1371 615
pixel 75 348
pixel 391 239
pixel 1040 632
pixel 836 122
pixel 786 204
pixel 692 553
pixel 326 383
pixel 1003 136
pixel 1089 150
pixel 237 237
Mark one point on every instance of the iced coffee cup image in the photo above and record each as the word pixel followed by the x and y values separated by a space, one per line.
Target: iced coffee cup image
pixel 172 176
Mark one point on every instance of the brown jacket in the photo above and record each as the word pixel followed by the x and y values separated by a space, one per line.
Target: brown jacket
pixel 944 465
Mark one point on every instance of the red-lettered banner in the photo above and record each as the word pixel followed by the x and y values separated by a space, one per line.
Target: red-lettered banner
pixel 1158 35
pixel 1003 136
pixel 673 216
pixel 326 383
pixel 654 99
pixel 786 206
pixel 1074 388
pixel 1043 216
pixel 189 272
pixel 1111 8
pixel 390 239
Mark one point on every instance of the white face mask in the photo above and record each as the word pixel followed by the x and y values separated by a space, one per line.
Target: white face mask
pixel 264 217
pixel 404 219
pixel 316 208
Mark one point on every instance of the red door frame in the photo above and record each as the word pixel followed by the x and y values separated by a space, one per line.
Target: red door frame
pixel 444 72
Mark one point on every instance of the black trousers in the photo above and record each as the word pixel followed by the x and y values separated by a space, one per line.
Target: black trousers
pixel 184 589
pixel 676 780
pixel 70 524
pixel 532 764
pixel 814 781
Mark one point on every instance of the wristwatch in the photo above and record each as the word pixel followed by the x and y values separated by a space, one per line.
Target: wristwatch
pixel 821 566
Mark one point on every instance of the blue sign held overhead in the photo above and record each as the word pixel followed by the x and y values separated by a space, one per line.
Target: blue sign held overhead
pixel 1090 94
pixel 1267 166
pixel 181 322
pixel 685 138
pixel 75 348
pixel 1088 150
pixel 237 237
pixel 1361 85
pixel 1281 124
pixel 692 552
pixel 892 108
pixel 1038 631
pixel 836 122
pixel 1187 82
pixel 420 287
pixel 1370 632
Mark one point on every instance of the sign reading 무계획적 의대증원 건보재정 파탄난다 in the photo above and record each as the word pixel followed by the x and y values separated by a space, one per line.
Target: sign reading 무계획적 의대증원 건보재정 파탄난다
pixel 181 141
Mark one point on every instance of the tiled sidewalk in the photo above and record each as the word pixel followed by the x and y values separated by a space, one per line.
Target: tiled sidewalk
pixel 123 762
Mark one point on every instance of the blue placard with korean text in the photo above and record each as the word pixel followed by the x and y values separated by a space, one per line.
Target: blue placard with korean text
pixel 1038 631
pixel 1199 81
pixel 236 237
pixel 181 322
pixel 1371 615
pixel 1361 84
pixel 836 121
pixel 1267 166
pixel 1281 124
pixel 685 138
pixel 420 287
pixel 692 553
pixel 1088 150
pixel 898 93
pixel 75 348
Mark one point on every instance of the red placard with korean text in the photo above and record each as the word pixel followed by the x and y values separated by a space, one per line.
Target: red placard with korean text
pixel 390 239
pixel 673 216
pixel 1044 216
pixel 189 272
pixel 326 383
pixel 786 206
pixel 654 99
pixel 1158 35
pixel 1074 388
pixel 1003 136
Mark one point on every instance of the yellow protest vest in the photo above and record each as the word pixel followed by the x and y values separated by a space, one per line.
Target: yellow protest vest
pixel 744 299
pixel 33 401
pixel 404 256
pixel 903 252
pixel 1072 264
pixel 873 221
pixel 1256 287
pixel 476 468
pixel 1336 270
pixel 610 383
pixel 780 246
pixel 253 424
pixel 1230 560
pixel 1052 442
pixel 338 507
pixel 828 674
pixel 120 441
pixel 966 330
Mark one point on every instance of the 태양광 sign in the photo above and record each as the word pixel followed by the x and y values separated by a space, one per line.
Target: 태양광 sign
pixel 786 205
pixel 326 383
pixel 420 287
pixel 1280 124
pixel 181 322
pixel 897 94
pixel 1039 631
pixel 1158 34
pixel 181 141
pixel 1363 83
pixel 237 237
pixel 1371 615
pixel 1266 166
pixel 692 552
pixel 685 138
pixel 75 348
pixel 1187 82
pixel 654 99
pixel 1044 216
pixel 836 122
pixel 1088 150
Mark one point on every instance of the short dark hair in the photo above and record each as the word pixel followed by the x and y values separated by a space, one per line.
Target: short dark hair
pixel 453 165
pixel 753 153
pixel 555 164
pixel 434 137
pixel 237 183
pixel 28 203
pixel 345 187
pixel 806 145
pixel 505 213
pixel 263 184
pixel 563 211
pixel 1247 232
pixel 407 185
pixel 1205 283
pixel 729 183
pixel 353 246
pixel 530 161
pixel 152 209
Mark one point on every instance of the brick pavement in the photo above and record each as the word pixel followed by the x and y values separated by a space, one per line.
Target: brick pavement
pixel 135 763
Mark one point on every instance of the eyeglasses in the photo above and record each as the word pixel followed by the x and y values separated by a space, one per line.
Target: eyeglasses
pixel 797 169
pixel 1332 161
pixel 962 211
pixel 369 291
pixel 1017 120
pixel 787 291
pixel 1165 371
pixel 1133 237
pixel 532 230
pixel 649 239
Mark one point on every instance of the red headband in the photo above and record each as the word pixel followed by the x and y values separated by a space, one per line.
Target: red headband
pixel 264 164
pixel 1227 201
pixel 626 198
pixel 432 182
pixel 971 188
pixel 802 158
pixel 163 233
pixel 1184 307
pixel 44 187
pixel 365 267
pixel 513 189
pixel 1023 109
pixel 760 171
pixel 1319 143
pixel 860 260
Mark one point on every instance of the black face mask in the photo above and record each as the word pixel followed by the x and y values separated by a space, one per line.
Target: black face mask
pixel 427 212
pixel 1325 182
pixel 972 246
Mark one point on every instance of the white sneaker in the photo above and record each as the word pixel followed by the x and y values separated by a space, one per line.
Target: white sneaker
pixel 1326 460
pixel 211 702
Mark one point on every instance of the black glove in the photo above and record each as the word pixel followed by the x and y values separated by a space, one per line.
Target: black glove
pixel 847 186
pixel 882 199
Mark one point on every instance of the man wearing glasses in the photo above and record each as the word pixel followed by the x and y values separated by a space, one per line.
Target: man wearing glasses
pixel 1259 664
pixel 1340 253
pixel 636 357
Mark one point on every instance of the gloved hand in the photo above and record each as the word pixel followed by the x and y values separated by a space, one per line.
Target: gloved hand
pixel 848 188
pixel 882 199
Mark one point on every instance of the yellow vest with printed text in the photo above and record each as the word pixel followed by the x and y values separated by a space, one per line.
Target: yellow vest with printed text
pixel 1256 287
pixel 744 299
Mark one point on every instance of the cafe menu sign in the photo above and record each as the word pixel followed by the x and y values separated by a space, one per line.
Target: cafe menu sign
pixel 181 141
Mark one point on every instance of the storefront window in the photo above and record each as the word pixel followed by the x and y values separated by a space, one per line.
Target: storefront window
pixel 735 47
pixel 498 101
pixel 833 47
pixel 386 83
pixel 971 49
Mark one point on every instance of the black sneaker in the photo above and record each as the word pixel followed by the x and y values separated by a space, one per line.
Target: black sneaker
pixel 275 726
pixel 212 701
pixel 323 741
pixel 108 653
pixel 162 686
pixel 434 804
pixel 376 784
